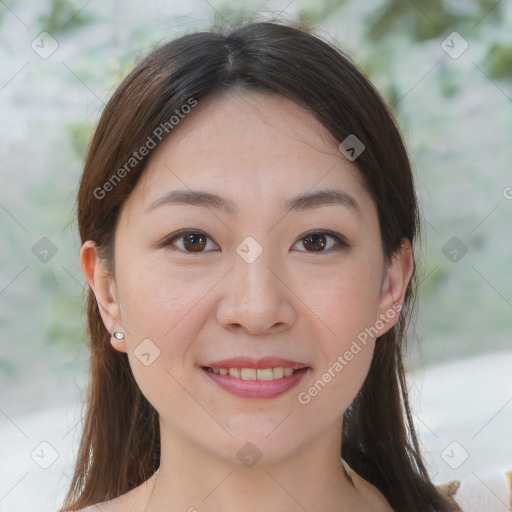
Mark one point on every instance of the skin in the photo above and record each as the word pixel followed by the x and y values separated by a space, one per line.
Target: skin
pixel 257 150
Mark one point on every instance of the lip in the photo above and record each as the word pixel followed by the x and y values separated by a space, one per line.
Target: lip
pixel 265 362
pixel 256 388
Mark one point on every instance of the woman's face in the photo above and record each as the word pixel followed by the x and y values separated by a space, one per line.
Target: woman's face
pixel 280 265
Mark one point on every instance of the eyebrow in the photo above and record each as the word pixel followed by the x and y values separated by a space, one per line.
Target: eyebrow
pixel 298 203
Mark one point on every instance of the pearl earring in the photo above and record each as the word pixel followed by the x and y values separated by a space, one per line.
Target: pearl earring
pixel 118 335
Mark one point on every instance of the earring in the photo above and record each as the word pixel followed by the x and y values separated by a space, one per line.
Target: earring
pixel 118 335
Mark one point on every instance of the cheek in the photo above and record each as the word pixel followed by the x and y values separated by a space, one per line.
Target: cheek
pixel 160 311
pixel 346 299
pixel 336 384
pixel 157 298
pixel 347 305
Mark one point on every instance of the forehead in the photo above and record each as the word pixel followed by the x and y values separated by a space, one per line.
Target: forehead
pixel 251 147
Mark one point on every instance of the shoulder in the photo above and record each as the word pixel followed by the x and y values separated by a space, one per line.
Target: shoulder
pixel 132 501
pixel 120 504
pixel 106 506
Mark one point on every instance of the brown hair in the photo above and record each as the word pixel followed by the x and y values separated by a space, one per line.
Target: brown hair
pixel 120 446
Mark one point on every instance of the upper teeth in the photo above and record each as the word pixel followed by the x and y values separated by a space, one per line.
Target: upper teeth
pixel 255 374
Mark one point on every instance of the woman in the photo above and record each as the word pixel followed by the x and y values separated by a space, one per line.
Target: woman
pixel 248 218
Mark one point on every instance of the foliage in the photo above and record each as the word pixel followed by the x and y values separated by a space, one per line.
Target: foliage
pixel 499 61
pixel 63 16
pixel 80 134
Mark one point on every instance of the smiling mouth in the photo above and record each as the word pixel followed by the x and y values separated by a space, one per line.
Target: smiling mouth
pixel 261 374
pixel 256 383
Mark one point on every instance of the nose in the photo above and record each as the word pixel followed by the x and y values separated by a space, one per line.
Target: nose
pixel 256 299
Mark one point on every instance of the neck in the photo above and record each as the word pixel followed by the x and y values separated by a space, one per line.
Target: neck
pixel 195 478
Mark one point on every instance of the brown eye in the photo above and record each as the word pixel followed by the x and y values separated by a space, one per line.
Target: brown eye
pixel 194 242
pixel 315 242
pixel 322 242
pixel 189 241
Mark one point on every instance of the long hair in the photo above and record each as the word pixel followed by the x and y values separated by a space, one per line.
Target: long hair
pixel 120 445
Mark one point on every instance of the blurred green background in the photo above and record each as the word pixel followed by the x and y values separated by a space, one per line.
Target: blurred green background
pixel 455 114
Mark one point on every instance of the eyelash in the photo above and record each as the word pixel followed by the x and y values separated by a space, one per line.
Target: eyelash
pixel 341 243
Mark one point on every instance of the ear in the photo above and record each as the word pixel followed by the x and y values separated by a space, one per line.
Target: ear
pixel 394 286
pixel 104 288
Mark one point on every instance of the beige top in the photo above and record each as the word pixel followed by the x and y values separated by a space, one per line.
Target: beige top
pixel 490 494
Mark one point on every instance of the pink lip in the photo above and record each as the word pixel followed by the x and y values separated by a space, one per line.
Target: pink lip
pixel 265 362
pixel 256 388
